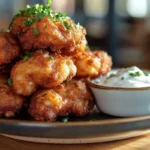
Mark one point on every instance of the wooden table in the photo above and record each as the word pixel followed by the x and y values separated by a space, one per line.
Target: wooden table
pixel 139 143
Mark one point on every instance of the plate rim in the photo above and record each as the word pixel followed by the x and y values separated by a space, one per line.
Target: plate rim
pixel 100 139
pixel 77 123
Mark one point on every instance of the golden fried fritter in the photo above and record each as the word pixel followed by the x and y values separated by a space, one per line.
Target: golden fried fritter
pixel 106 61
pixel 42 69
pixel 10 103
pixel 9 48
pixel 78 48
pixel 59 36
pixel 77 97
pixel 92 64
pixel 72 97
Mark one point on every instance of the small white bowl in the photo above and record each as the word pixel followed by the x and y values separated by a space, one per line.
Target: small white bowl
pixel 122 102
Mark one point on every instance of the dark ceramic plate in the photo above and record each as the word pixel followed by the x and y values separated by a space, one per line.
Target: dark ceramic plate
pixel 96 127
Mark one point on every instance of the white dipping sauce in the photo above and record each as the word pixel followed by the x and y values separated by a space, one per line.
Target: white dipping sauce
pixel 132 77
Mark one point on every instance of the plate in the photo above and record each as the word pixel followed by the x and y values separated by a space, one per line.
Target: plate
pixel 96 127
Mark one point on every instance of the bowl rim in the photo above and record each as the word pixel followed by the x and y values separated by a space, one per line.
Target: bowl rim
pixel 102 87
pixel 94 85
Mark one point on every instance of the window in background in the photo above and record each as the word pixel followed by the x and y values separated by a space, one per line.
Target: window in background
pixel 95 12
pixel 97 8
pixel 133 32
pixel 121 8
pixel 137 8
pixel 96 28
pixel 5 13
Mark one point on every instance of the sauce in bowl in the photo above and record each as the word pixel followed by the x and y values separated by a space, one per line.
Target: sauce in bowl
pixel 131 77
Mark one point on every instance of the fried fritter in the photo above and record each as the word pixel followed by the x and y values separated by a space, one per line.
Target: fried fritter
pixel 72 97
pixel 106 61
pixel 42 69
pixel 9 48
pixel 39 27
pixel 10 103
pixel 92 64
pixel 77 97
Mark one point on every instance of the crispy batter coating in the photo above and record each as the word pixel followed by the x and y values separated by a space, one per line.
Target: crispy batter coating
pixel 10 103
pixel 92 64
pixel 50 34
pixel 42 69
pixel 78 48
pixel 106 61
pixel 9 48
pixel 72 97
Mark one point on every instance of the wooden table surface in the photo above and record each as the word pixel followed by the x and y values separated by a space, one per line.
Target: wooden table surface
pixel 138 143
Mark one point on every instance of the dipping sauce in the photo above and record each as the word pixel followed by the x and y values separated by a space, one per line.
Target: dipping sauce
pixel 131 77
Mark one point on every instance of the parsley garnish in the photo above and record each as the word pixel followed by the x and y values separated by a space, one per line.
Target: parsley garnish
pixel 51 58
pixel 29 21
pixel 35 31
pixel 9 82
pixel 34 13
pixel 128 69
pixel 146 74
pixel 67 25
pixel 10 25
pixel 136 74
pixel 49 2
pixel 37 12
pixel 111 75
pixel 87 48
pixel 65 119
pixel 26 56
pixel 122 78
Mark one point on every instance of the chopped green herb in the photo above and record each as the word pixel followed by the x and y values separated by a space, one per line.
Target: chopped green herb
pixel 146 74
pixel 129 69
pixel 136 74
pixel 35 31
pixel 34 13
pixel 51 58
pixel 44 94
pixel 39 16
pixel 111 75
pixel 26 56
pixel 49 2
pixel 65 119
pixel 29 21
pixel 122 78
pixel 10 25
pixel 87 48
pixel 60 16
pixel 67 25
pixel 38 12
pixel 9 82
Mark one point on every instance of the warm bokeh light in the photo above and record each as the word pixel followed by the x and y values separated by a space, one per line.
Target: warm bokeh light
pixel 137 8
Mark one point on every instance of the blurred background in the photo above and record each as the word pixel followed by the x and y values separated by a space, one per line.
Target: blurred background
pixel 121 27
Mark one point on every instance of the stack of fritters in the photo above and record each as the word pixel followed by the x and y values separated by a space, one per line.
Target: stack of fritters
pixel 45 58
